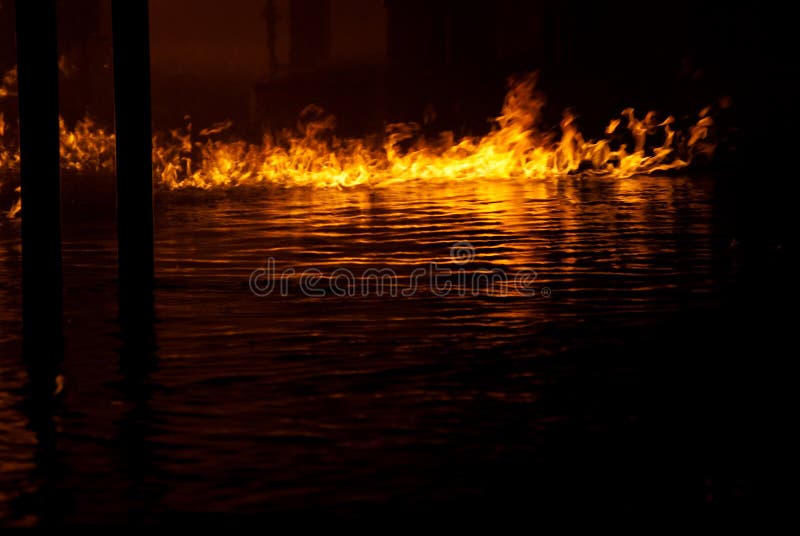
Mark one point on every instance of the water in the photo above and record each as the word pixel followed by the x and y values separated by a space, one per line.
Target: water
pixel 602 390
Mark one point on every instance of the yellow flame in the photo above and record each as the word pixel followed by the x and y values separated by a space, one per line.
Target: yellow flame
pixel 514 148
pixel 16 208
pixel 87 147
pixel 312 155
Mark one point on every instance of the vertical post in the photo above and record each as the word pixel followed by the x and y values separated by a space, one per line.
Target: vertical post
pixel 131 36
pixel 37 60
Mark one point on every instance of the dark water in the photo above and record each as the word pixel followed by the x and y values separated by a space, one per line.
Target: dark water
pixel 615 387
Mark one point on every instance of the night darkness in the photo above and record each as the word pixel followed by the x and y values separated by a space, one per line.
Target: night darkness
pixel 384 260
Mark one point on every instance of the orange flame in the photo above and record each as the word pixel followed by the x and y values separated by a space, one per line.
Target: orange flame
pixel 312 155
pixel 87 147
pixel 514 148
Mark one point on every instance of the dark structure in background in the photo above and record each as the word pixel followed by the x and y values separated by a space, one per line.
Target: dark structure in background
pixel 373 61
pixel 351 88
pixel 84 41
pixel 455 56
pixel 310 34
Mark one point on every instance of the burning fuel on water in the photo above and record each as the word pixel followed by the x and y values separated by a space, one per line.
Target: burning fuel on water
pixel 516 147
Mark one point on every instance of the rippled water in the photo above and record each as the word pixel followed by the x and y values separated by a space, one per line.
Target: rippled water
pixel 366 404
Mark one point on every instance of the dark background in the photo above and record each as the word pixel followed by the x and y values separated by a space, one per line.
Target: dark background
pixel 207 56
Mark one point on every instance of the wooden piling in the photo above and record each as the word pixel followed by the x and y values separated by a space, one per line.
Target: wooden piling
pixel 131 37
pixel 37 61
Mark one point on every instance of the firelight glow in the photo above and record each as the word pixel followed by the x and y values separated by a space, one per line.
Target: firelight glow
pixel 515 148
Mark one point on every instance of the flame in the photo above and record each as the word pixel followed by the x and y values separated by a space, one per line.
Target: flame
pixel 514 148
pixel 8 83
pixel 87 147
pixel 16 208
pixel 9 158
pixel 311 155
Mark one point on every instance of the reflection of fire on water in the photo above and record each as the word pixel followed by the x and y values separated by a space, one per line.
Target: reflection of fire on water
pixel 312 155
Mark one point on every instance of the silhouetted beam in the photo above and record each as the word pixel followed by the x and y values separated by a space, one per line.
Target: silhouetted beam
pixel 130 26
pixel 37 58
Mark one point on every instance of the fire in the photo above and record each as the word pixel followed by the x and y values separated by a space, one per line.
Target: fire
pixel 87 147
pixel 9 158
pixel 515 148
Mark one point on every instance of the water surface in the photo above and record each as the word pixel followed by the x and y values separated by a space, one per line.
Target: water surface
pixel 584 394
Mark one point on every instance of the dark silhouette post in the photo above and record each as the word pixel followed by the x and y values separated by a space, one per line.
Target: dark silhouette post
pixel 37 59
pixel 37 69
pixel 131 36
